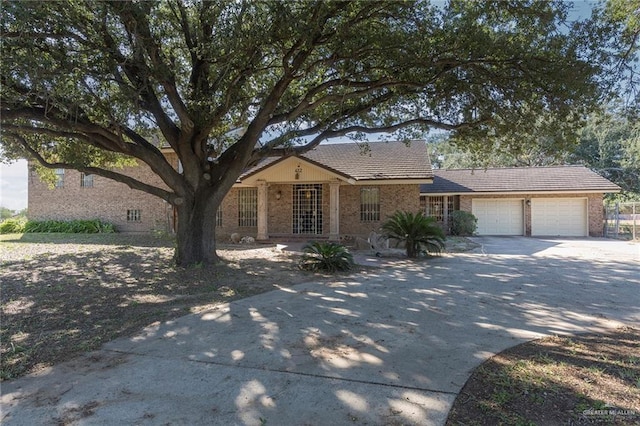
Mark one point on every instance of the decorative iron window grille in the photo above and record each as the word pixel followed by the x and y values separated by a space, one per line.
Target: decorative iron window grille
pixel 248 207
pixel 307 209
pixel 59 178
pixel 219 216
pixel 86 181
pixel 435 208
pixel 134 215
pixel 369 204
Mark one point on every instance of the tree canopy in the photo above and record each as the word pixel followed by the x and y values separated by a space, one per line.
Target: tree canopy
pixel 224 84
pixel 626 47
pixel 609 144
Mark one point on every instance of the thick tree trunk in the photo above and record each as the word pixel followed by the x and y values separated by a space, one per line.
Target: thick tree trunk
pixel 196 243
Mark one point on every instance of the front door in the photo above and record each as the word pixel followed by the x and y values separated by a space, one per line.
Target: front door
pixel 307 209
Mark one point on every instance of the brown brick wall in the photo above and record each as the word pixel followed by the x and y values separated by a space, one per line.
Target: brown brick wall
pixel 280 213
pixel 594 208
pixel 230 219
pixel 106 200
pixel 392 198
pixel 109 201
pixel 596 215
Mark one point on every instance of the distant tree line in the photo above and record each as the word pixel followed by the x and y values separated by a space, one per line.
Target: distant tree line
pixel 609 144
pixel 6 213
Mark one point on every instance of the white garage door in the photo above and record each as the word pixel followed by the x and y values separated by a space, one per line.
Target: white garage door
pixel 559 216
pixel 498 217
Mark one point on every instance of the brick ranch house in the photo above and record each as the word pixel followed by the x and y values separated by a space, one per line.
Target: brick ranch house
pixel 531 201
pixel 337 191
pixel 332 192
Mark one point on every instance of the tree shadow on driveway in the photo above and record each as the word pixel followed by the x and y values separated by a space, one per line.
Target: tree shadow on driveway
pixel 55 305
pixel 388 346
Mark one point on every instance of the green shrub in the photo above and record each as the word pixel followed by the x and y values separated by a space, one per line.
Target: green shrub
pixel 418 232
pixel 106 227
pixel 94 226
pixel 462 223
pixel 324 256
pixel 12 225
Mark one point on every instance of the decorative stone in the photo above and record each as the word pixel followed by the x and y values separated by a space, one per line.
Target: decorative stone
pixel 247 240
pixel 235 238
pixel 378 241
pixel 362 244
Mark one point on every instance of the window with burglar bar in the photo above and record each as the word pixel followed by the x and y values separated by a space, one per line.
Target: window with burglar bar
pixel 59 178
pixel 369 204
pixel 219 216
pixel 307 209
pixel 248 207
pixel 134 215
pixel 86 181
pixel 435 208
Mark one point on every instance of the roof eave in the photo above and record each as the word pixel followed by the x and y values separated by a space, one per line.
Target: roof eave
pixel 521 192
pixel 398 181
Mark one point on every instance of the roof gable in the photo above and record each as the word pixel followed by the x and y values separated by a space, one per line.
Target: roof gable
pixel 347 161
pixel 292 169
pixel 518 179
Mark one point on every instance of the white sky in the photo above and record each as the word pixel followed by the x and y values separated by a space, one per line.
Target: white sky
pixel 14 177
pixel 13 185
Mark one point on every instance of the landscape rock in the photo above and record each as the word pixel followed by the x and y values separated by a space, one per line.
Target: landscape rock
pixel 362 244
pixel 378 241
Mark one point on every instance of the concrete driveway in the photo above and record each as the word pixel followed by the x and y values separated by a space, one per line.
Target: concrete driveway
pixel 393 345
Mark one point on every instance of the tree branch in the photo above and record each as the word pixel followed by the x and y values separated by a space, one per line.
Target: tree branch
pixel 100 136
pixel 168 128
pixel 118 177
pixel 93 135
pixel 58 133
pixel 137 25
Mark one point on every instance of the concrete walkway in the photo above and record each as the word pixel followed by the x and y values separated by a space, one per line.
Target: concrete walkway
pixel 393 345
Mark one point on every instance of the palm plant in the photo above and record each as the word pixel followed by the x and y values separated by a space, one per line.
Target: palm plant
pixel 324 256
pixel 418 232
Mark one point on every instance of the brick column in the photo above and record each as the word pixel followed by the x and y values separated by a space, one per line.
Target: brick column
pixel 334 211
pixel 263 231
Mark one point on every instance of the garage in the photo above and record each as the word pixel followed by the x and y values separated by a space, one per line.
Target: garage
pixel 565 217
pixel 499 216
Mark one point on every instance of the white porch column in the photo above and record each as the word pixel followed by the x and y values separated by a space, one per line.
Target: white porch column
pixel 334 211
pixel 263 232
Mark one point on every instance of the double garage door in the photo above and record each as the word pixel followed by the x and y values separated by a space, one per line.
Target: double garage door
pixel 549 216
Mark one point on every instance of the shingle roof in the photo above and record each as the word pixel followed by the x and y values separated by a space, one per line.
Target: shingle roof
pixel 518 179
pixel 384 160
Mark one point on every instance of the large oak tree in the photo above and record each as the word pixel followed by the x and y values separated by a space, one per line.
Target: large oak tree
pixel 227 83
